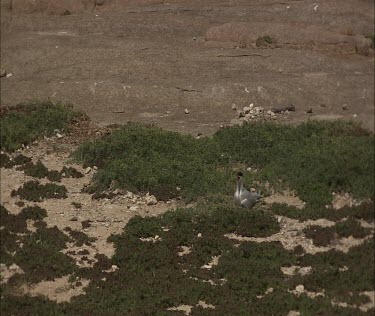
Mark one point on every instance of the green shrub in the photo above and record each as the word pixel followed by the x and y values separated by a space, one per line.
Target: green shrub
pixel 34 191
pixel 26 122
pixel 314 159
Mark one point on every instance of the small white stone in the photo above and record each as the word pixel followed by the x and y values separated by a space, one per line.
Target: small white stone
pixel 234 107
pixel 199 235
pixel 114 267
pixel 58 135
pixel 133 208
pixel 88 170
pixel 300 288
pixel 246 109
pixel 151 200
pixel 186 111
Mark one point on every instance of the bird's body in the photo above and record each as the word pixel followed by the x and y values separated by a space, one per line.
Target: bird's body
pixel 242 196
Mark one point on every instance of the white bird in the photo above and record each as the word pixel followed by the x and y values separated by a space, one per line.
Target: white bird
pixel 243 197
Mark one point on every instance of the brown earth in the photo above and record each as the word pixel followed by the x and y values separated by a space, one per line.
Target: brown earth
pixel 148 61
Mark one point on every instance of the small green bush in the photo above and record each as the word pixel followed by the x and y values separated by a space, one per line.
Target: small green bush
pixel 265 41
pixel 34 191
pixel 33 212
pixel 26 122
pixel 323 236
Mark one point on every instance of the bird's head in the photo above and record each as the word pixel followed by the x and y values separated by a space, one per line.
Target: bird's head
pixel 239 176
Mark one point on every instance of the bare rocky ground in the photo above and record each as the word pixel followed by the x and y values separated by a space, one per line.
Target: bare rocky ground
pixel 149 61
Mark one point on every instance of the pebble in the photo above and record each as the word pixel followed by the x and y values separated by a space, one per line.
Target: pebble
pixel 234 107
pixel 345 107
pixel 300 288
pixel 199 235
pixel 88 170
pixel 186 111
pixel 129 195
pixel 3 73
pixel 151 199
pixel 58 135
pixel 133 208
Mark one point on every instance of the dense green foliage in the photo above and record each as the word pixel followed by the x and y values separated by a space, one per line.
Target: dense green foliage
pixel 314 159
pixel 26 122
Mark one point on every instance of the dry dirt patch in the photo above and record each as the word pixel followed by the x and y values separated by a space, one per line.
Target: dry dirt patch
pixel 97 219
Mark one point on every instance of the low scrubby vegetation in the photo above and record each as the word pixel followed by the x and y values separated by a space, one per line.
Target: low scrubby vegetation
pixel 154 272
pixel 324 236
pixel 36 192
pixel 153 277
pixel 328 156
pixel 26 122
pixel 363 211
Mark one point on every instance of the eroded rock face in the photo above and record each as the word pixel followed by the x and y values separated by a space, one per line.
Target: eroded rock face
pixel 305 35
pixel 56 7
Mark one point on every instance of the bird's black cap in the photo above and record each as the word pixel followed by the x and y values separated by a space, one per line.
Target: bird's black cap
pixel 240 174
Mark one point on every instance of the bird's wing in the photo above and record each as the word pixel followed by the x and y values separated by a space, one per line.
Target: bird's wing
pixel 248 199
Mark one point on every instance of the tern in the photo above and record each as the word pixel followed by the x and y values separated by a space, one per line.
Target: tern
pixel 243 197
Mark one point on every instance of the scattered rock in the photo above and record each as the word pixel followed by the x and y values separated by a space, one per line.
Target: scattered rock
pixel 133 208
pixel 3 73
pixel 112 269
pixel 58 135
pixel 342 200
pixel 300 289
pixel 7 273
pixel 251 112
pixel 234 107
pixel 186 111
pixel 129 195
pixel 185 250
pixel 150 199
pixel 9 75
pixel 345 107
pixel 88 170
